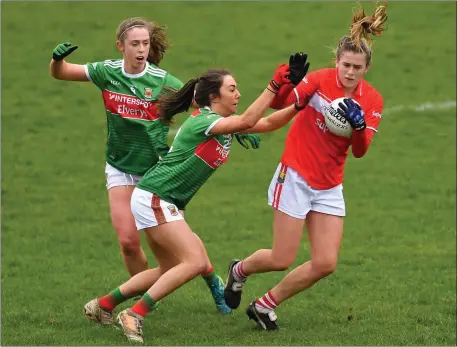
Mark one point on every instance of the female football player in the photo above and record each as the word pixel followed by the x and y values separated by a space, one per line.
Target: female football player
pixel 201 145
pixel 137 138
pixel 307 186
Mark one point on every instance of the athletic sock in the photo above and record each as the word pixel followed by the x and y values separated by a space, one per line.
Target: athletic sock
pixel 111 300
pixel 209 275
pixel 238 272
pixel 266 303
pixel 144 305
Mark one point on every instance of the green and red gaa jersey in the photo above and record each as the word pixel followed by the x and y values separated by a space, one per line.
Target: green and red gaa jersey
pixel 194 156
pixel 137 138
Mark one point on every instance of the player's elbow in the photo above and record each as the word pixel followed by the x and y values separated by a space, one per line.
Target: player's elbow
pixel 57 69
pixel 248 123
pixel 52 72
pixel 273 126
pixel 56 76
pixel 360 143
pixel 241 124
pixel 359 153
pixel 52 69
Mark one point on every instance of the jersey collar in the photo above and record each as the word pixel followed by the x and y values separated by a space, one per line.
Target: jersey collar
pixel 129 75
pixel 199 111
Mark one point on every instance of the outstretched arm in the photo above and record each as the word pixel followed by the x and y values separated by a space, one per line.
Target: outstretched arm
pixel 62 70
pixel 285 97
pixel 248 119
pixel 273 122
pixel 284 74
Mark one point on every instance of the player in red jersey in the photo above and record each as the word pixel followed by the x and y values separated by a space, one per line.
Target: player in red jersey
pixel 307 186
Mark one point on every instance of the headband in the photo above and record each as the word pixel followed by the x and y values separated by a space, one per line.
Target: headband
pixel 133 26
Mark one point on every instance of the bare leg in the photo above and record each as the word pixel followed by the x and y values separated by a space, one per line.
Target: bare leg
pixel 325 233
pixel 287 235
pixel 129 238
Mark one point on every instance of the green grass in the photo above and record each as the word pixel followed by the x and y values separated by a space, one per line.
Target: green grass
pixel 396 276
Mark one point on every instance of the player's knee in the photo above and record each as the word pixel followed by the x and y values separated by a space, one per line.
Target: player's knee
pixel 129 245
pixel 208 268
pixel 196 268
pixel 324 267
pixel 129 239
pixel 163 268
pixel 282 262
pixel 199 265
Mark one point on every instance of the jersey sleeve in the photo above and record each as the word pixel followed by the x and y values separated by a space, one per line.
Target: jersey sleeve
pixel 307 87
pixel 361 140
pixel 172 82
pixel 203 125
pixel 95 72
pixel 374 113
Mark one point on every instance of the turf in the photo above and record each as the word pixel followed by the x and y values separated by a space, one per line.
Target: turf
pixel 396 279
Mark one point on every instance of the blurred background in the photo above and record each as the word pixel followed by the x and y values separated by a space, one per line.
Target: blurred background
pixel 395 282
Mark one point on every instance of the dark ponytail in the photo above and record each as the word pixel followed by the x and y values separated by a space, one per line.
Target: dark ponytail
pixel 172 102
pixel 209 85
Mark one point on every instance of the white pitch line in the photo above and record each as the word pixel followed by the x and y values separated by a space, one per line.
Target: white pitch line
pixel 444 105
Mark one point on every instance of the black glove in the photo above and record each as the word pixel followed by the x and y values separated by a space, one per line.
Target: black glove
pixel 298 67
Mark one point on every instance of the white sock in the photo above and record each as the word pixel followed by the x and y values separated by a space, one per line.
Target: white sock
pixel 238 272
pixel 266 303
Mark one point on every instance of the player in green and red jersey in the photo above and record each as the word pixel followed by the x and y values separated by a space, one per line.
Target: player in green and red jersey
pixel 201 145
pixel 137 138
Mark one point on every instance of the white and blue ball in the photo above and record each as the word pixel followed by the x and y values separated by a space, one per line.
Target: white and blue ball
pixel 336 123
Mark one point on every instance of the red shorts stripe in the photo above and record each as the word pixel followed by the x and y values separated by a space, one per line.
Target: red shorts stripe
pixel 281 179
pixel 157 209
pixel 274 194
pixel 277 185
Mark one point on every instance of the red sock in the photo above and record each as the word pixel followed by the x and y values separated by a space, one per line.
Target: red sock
pixel 144 305
pixel 111 300
pixel 266 303
pixel 208 272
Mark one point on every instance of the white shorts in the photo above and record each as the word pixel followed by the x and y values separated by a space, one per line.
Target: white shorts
pixel 150 211
pixel 116 178
pixel 289 193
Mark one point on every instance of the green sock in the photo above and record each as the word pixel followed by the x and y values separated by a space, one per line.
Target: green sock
pixel 210 278
pixel 118 296
pixel 111 300
pixel 145 305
